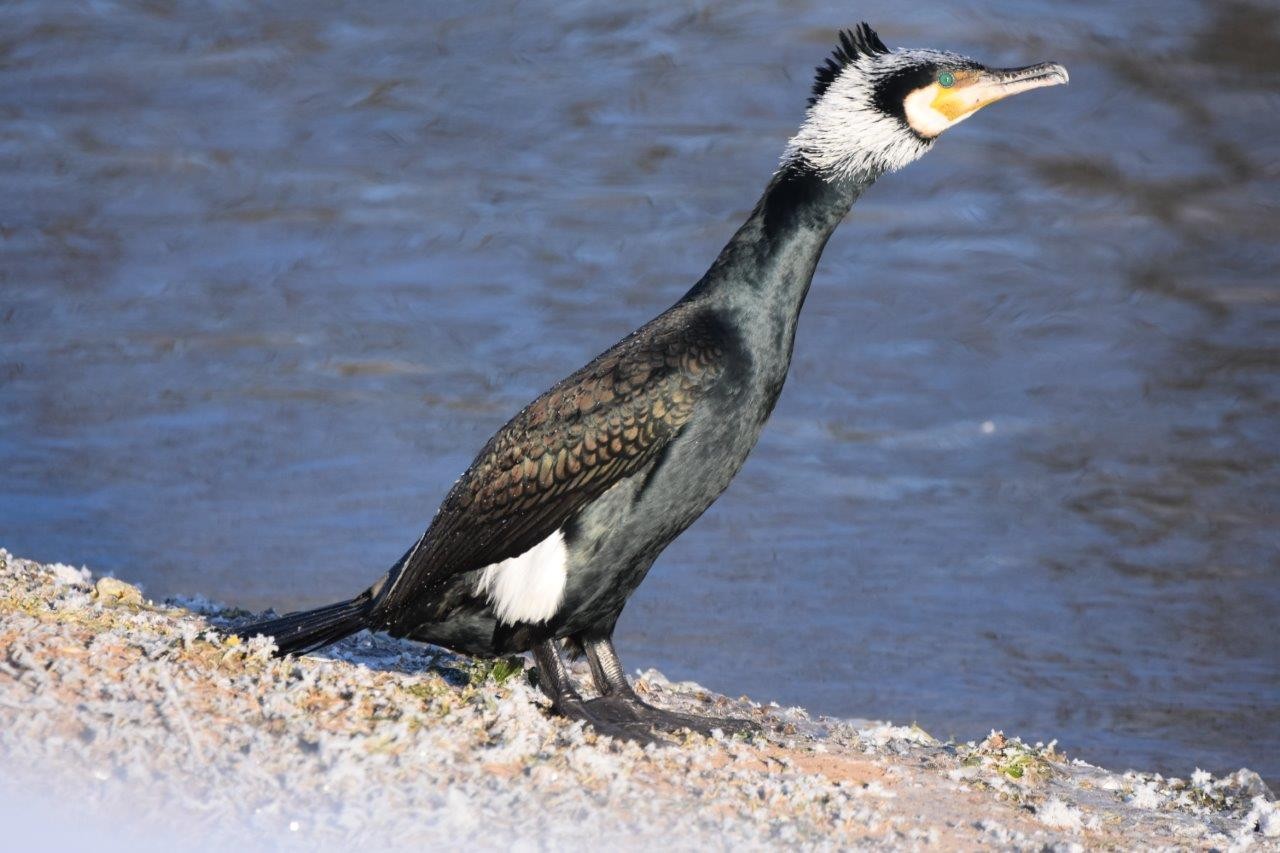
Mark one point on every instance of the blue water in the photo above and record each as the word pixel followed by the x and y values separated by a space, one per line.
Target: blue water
pixel 269 278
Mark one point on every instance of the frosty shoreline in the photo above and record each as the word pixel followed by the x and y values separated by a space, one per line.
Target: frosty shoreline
pixel 123 720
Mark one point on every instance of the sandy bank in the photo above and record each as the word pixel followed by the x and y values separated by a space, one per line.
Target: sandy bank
pixel 123 719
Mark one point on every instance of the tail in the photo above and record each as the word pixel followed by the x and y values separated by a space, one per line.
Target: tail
pixel 298 633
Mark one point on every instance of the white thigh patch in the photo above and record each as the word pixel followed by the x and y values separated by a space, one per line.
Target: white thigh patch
pixel 530 587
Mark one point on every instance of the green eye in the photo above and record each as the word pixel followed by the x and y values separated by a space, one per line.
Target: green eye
pixel 946 79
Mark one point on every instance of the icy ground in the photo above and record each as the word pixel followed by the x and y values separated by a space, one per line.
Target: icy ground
pixel 127 723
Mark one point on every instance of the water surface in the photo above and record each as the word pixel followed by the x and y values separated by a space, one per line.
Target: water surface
pixel 269 278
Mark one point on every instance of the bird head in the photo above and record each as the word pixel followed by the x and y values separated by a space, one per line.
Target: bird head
pixel 874 110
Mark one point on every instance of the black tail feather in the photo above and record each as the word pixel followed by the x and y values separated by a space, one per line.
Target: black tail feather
pixel 298 633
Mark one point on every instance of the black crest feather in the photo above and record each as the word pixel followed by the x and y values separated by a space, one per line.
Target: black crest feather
pixel 859 41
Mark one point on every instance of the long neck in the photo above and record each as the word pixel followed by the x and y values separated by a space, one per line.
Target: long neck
pixel 762 276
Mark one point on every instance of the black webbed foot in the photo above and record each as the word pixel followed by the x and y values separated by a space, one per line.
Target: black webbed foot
pixel 608 718
pixel 613 719
pixel 618 712
pixel 614 688
pixel 673 721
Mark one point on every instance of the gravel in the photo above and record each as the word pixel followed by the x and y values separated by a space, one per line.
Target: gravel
pixel 126 723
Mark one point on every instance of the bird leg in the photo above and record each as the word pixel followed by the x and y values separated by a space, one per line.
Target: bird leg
pixel 616 691
pixel 606 719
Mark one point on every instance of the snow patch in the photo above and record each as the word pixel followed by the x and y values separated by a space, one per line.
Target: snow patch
pixel 1145 796
pixel 69 575
pixel 1264 816
pixel 1058 815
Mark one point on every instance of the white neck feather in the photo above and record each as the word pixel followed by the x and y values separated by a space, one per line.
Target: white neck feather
pixel 845 134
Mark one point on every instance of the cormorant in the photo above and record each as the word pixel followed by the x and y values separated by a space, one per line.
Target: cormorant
pixel 557 521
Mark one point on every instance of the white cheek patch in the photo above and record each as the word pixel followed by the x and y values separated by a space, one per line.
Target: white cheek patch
pixel 530 587
pixel 921 115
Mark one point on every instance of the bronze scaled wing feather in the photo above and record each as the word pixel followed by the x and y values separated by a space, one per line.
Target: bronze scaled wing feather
pixel 602 424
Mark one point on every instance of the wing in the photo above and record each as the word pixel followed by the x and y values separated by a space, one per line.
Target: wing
pixel 599 426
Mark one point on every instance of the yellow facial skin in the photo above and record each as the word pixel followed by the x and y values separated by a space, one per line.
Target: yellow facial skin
pixel 933 108
pixel 965 97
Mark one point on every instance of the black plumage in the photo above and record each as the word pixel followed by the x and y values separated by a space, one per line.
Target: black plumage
pixel 617 460
pixel 621 456
pixel 605 423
